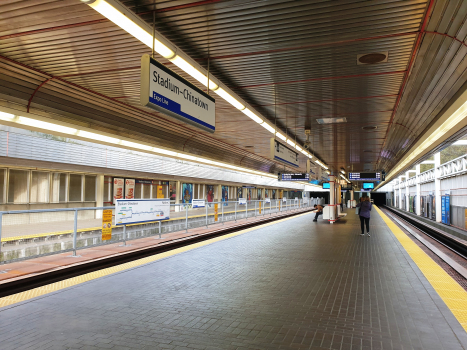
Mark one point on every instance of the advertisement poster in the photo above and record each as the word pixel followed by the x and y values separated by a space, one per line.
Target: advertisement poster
pixel 187 193
pixel 160 193
pixel 172 191
pixel 106 224
pixel 260 190
pixel 141 210
pixel 225 194
pixel 273 195
pixel 129 188
pixel 118 188
pixel 239 192
pixel 210 193
pixel 266 193
pixel 249 193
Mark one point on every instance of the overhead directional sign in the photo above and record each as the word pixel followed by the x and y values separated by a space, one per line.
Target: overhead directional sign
pixel 365 176
pixel 283 153
pixel 294 177
pixel 167 92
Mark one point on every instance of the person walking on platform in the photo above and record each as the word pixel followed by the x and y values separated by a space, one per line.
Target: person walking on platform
pixel 364 213
pixel 319 211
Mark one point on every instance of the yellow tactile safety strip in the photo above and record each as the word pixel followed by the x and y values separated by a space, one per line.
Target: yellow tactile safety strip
pixel 448 289
pixel 67 232
pixel 53 287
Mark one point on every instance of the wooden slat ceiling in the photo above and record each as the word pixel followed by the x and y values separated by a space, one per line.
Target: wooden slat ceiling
pixel 294 61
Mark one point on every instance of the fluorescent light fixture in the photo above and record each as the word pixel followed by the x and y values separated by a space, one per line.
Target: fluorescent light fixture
pixel 46 126
pixel 230 99
pixel 322 164
pixel 97 137
pixel 328 172
pixel 6 116
pixel 188 68
pixel 111 13
pixel 343 172
pixel 268 127
pixel 342 176
pixel 298 148
pixel 136 145
pixel 290 142
pixel 281 136
pixel 252 115
pixel 331 120
pixel 164 151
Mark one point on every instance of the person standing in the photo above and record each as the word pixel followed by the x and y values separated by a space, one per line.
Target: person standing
pixel 364 214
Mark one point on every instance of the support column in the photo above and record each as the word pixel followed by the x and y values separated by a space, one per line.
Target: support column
pixel 332 199
pixel 437 187
pixel 99 194
pixel 351 199
pixel 407 191
pixel 419 190
pixel 400 193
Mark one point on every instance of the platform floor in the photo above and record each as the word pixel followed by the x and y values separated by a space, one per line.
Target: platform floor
pixel 294 284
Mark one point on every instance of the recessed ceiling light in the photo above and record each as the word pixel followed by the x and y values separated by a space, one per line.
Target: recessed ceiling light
pixel 370 128
pixel 372 58
pixel 331 120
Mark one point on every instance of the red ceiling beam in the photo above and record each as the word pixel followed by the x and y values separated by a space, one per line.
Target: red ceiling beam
pixel 319 79
pixel 331 99
pixel 338 114
pixel 409 68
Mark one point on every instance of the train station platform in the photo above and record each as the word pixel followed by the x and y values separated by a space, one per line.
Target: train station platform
pixel 288 284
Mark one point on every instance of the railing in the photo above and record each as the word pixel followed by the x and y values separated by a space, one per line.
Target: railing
pixel 32 233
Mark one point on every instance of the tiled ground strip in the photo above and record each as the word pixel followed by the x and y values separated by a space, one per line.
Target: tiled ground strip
pixel 449 290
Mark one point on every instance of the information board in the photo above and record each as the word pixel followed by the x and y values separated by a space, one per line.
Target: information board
pixel 141 210
pixel 167 92
pixel 365 176
pixel 294 177
pixel 106 224
pixel 242 201
pixel 282 153
pixel 446 210
pixel 198 203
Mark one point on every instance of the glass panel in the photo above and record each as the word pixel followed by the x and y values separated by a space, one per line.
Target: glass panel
pixel 62 197
pixel 39 187
pixel 18 186
pixel 75 188
pixel 2 184
pixel 90 188
pixel 138 191
pixel 146 191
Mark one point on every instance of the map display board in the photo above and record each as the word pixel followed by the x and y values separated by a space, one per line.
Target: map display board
pixel 167 92
pixel 141 210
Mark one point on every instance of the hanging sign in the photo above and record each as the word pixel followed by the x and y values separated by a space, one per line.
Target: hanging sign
pixel 129 188
pixel 106 224
pixel 282 153
pixel 167 92
pixel 118 188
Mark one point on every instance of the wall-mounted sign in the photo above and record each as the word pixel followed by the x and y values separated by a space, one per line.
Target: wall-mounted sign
pixel 198 203
pixel 118 188
pixel 365 176
pixel 141 210
pixel 293 177
pixel 282 153
pixel 129 188
pixel 268 200
pixel 242 201
pixel 167 92
pixel 106 224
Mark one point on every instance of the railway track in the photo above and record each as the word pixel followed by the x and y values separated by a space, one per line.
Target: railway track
pixel 426 234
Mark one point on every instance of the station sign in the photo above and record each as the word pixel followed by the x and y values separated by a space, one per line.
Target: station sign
pixel 365 176
pixel 293 177
pixel 167 92
pixel 283 154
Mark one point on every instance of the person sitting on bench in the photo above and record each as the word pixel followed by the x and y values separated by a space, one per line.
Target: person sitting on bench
pixel 319 211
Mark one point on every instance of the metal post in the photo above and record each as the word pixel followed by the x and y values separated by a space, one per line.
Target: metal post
pixel 255 209
pixel 75 232
pixel 270 208
pixel 222 213
pixel 160 229
pixel 186 219
pixel 246 210
pixel 235 211
pixel 206 215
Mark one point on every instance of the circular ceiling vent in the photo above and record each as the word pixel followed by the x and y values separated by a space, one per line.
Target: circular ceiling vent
pixel 372 58
pixel 370 128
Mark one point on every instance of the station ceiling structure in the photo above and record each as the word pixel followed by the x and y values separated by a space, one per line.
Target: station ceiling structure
pixel 383 70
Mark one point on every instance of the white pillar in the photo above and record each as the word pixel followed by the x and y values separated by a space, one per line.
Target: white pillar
pixel 407 191
pixel 332 199
pixel 99 194
pixel 351 199
pixel 178 191
pixel 437 187
pixel 418 211
pixel 400 193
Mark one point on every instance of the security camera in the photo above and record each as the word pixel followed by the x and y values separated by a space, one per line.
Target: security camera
pixel 306 144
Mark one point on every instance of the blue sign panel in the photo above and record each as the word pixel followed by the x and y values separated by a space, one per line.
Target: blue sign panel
pixel 446 210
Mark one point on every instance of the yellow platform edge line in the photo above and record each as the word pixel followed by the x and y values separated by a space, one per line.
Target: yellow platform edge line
pixel 56 286
pixel 97 228
pixel 453 295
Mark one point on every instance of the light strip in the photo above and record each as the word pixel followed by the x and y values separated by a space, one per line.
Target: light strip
pixel 188 68
pixel 229 98
pixel 252 115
